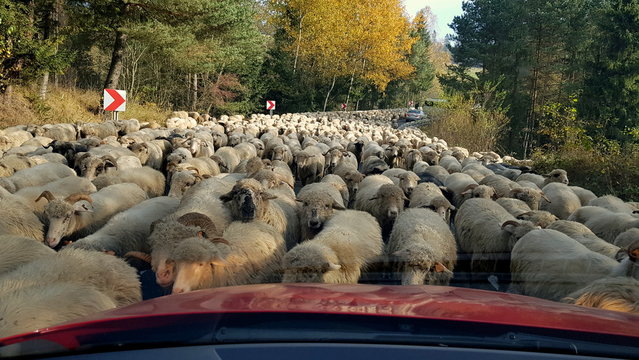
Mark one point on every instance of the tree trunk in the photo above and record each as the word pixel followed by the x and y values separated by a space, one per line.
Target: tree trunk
pixel 115 70
pixel 329 93
pixel 350 87
pixel 44 85
pixel 194 93
pixel 299 40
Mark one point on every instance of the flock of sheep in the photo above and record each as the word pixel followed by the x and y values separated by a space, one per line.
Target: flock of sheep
pixel 329 197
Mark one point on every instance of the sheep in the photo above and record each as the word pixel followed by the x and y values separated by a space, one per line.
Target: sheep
pixel 32 308
pixel 247 253
pixel 539 218
pixel 406 180
pixel 227 158
pixel 318 202
pixel 60 188
pixel 16 251
pixel 107 273
pixel 611 203
pixel 35 176
pixel 9 164
pixel 13 139
pixel 437 172
pixel 411 158
pixel 148 179
pixel 378 196
pixel 603 222
pixel 59 132
pixel 17 218
pixel 373 165
pixel 79 215
pixel 586 237
pixel 151 153
pixel 310 165
pixel 626 238
pixel 372 149
pixel 352 177
pixel 245 150
pixel 550 265
pixel 451 164
pixel 248 201
pixel 391 156
pixel 339 253
pixel 488 232
pixel 463 187
pixel 128 231
pixel 101 130
pixel 423 248
pixel 613 293
pixel 339 184
pixel 429 195
pixel 584 195
pixel 557 175
pixel 559 200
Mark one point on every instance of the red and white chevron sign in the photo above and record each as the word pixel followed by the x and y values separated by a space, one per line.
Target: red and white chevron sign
pixel 270 104
pixel 114 100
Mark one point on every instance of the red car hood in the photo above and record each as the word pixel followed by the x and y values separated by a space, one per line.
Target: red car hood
pixel 424 302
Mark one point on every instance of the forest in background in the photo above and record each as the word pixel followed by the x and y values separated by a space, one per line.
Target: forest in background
pixel 557 81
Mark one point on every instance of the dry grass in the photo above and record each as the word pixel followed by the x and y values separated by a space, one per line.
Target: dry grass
pixel 65 105
pixel 461 125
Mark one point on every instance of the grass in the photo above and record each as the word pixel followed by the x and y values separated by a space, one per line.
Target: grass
pixel 65 105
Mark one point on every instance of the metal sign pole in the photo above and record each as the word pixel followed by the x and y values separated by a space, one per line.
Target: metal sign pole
pixel 271 112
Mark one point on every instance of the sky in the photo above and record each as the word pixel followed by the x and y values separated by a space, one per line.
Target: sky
pixel 444 10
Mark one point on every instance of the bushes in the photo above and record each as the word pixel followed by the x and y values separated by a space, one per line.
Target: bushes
pixel 461 123
pixel 606 169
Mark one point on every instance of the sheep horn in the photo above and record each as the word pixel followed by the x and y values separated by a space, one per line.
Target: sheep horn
pixel 47 195
pixel 73 198
pixel 470 187
pixel 510 222
pixel 200 220
pixel 220 241
pixel 543 196
pixel 192 168
pixel 110 159
pixel 139 255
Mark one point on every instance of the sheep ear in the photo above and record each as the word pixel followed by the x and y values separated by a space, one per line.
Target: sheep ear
pixel 82 206
pixel 405 198
pixel 139 255
pixel 543 196
pixel 509 222
pixel 218 261
pixel 333 266
pixel 228 196
pixel 202 235
pixel 439 267
pixel 452 208
pixel 338 206
pixel 521 216
pixel 206 176
pixel 268 196
pixel 374 198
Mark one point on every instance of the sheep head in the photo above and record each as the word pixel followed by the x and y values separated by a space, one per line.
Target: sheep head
pixel 316 209
pixel 408 182
pixel 440 205
pixel 557 175
pixel 390 200
pixel 515 230
pixel 418 265
pixel 181 181
pixel 63 215
pixel 538 217
pixel 248 200
pixel 196 261
pixel 309 262
pixel 531 197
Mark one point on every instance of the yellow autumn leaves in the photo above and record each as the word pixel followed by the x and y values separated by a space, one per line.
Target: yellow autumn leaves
pixel 366 39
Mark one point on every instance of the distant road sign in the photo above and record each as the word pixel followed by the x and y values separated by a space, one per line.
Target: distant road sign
pixel 270 104
pixel 114 100
pixel 411 103
pixel 343 106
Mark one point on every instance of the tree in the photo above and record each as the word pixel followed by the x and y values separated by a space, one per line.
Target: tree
pixel 610 97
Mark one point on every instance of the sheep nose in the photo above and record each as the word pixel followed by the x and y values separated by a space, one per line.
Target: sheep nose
pixel 566 181
pixel 409 191
pixel 392 213
pixel 314 223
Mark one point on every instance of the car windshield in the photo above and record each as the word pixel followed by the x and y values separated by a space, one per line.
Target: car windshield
pixel 440 161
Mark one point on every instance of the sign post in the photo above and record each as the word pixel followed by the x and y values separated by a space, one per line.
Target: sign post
pixel 270 106
pixel 114 100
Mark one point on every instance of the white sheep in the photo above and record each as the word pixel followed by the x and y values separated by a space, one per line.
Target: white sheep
pixel 109 274
pixel 79 215
pixel 557 175
pixel 450 163
pixel 339 184
pixel 429 195
pixel 423 248
pixel 35 176
pixel 603 222
pixel 17 218
pixel 318 204
pixel 128 231
pixel 150 180
pixel 378 196
pixel 610 293
pixel 28 309
pixel 16 251
pixel 339 253
pixel 626 238
pixel 246 253
pixel 488 232
pixel 405 179
pixel 550 265
pixel 559 200
pixel 611 203
pixel 586 237
pixel 584 195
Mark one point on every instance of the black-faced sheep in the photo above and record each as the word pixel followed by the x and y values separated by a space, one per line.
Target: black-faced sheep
pixel 423 248
pixel 339 253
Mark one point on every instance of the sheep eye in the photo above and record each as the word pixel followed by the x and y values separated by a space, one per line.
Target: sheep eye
pixel 556 175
